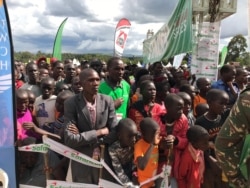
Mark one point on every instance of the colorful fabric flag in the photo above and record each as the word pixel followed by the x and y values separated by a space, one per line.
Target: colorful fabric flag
pixel 121 35
pixel 7 98
pixel 175 37
pixel 57 50
pixel 223 56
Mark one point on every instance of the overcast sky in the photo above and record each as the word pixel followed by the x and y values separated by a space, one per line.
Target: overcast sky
pixel 91 23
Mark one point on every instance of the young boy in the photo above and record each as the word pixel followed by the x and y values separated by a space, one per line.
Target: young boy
pixel 192 164
pixel 176 126
pixel 187 110
pixel 44 107
pixel 121 151
pixel 56 127
pixel 203 84
pixel 212 121
pixel 146 151
pixel 189 89
pixel 201 109
pixel 61 87
pixel 162 90
pixel 76 86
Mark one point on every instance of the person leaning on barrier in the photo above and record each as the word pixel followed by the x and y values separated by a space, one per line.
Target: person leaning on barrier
pixel 94 116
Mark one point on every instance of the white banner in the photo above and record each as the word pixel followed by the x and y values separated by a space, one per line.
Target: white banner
pixel 71 153
pixel 178 59
pixel 76 156
pixel 40 148
pixel 107 184
pixel 28 186
pixel 110 171
pixel 206 51
pixel 64 184
pixel 166 170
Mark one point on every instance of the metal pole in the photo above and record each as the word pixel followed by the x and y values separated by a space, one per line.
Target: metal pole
pixel 101 158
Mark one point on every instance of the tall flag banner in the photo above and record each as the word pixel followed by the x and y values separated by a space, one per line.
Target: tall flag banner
pixel 223 56
pixel 7 98
pixel 175 37
pixel 205 52
pixel 57 49
pixel 121 35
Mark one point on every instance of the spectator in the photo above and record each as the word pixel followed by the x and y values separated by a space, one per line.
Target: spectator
pixel 229 144
pixel 146 151
pixel 203 85
pixel 116 87
pixel 95 121
pixel 44 107
pixel 32 72
pixel 241 78
pixel 225 83
pixel 192 164
pixel 121 151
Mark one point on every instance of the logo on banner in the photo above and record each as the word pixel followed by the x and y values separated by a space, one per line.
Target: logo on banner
pixel 122 37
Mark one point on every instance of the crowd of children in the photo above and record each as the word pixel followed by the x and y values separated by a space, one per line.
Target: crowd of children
pixel 162 120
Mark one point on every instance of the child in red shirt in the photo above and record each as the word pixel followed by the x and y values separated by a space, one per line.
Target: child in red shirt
pixel 175 129
pixel 192 164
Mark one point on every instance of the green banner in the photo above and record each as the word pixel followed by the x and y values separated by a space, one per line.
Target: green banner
pixel 57 50
pixel 175 37
pixel 223 56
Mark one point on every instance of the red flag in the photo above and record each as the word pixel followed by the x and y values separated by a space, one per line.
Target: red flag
pixel 121 35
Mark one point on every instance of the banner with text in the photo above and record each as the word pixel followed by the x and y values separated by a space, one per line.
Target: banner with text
pixel 7 96
pixel 64 184
pixel 175 37
pixel 206 51
pixel 71 153
pixel 40 148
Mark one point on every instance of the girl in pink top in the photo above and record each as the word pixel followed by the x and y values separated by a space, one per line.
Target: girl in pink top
pixel 25 125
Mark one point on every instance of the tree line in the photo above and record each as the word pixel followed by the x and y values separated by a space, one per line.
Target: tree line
pixel 26 57
pixel 236 53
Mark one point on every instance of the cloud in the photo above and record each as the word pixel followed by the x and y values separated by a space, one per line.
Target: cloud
pixel 91 24
pixel 236 23
pixel 72 8
pixel 150 11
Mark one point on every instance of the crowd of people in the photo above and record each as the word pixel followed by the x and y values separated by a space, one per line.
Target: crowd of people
pixel 146 118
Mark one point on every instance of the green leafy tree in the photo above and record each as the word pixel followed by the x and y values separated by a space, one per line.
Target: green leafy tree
pixel 28 56
pixel 236 47
pixel 244 59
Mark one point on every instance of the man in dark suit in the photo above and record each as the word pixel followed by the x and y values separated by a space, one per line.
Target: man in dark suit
pixel 94 116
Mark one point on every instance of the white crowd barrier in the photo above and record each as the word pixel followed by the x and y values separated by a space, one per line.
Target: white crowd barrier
pixel 86 160
pixel 40 148
pixel 28 186
pixel 64 184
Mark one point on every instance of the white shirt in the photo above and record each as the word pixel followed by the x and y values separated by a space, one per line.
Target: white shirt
pixel 44 110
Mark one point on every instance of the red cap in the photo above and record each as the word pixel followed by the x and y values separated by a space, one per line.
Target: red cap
pixel 41 59
pixel 53 60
